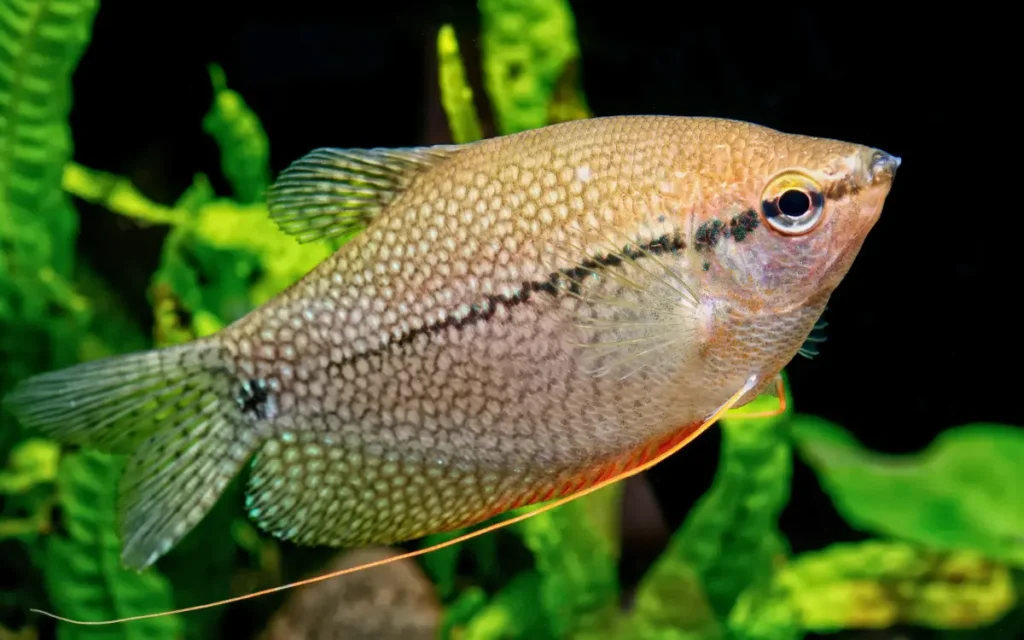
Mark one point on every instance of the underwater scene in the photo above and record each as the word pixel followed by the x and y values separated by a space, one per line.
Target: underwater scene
pixel 496 319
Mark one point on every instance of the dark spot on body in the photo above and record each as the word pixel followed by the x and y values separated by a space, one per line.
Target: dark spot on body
pixel 706 266
pixel 708 234
pixel 548 287
pixel 254 399
pixel 743 225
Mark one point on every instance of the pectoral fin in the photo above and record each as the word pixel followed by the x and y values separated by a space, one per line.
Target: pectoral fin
pixel 770 401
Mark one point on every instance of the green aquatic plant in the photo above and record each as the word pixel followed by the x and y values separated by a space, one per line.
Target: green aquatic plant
pixel 527 46
pixel 876 584
pixel 40 312
pixel 45 319
pixel 456 95
pixel 921 497
pixel 730 540
pixel 83 566
pixel 244 148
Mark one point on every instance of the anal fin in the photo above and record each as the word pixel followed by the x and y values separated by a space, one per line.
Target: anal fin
pixel 331 489
pixel 771 400
pixel 260 488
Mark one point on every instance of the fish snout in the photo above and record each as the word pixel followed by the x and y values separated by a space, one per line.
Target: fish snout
pixel 882 167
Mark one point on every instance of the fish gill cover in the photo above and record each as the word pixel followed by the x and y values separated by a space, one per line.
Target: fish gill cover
pixel 944 548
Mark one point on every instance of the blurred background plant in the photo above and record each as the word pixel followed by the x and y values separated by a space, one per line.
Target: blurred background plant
pixel 942 531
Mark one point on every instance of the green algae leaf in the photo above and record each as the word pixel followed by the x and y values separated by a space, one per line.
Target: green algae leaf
pixel 460 611
pixel 244 148
pixel 226 261
pixel 576 549
pixel 27 489
pixel 526 46
pixel 456 95
pixel 442 565
pixel 514 612
pixel 730 539
pixel 31 463
pixel 199 193
pixel 875 585
pixel 40 45
pixel 84 576
pixel 1010 625
pixel 960 493
pixel 200 567
pixel 117 194
pixel 671 603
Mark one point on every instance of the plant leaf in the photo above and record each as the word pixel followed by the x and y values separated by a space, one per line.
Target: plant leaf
pixel 83 571
pixel 456 95
pixel 31 463
pixel 227 260
pixel 875 585
pixel 962 492
pixel 244 148
pixel 117 194
pixel 40 316
pixel 514 612
pixel 526 46
pixel 575 548
pixel 730 539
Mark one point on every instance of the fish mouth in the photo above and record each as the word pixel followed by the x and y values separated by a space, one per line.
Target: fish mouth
pixel 875 178
pixel 882 167
pixel 878 172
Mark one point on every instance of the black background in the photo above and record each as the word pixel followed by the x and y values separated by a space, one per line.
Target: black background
pixel 924 332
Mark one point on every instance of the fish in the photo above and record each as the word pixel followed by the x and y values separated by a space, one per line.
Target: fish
pixel 510 321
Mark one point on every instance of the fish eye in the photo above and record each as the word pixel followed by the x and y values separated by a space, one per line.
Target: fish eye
pixel 792 204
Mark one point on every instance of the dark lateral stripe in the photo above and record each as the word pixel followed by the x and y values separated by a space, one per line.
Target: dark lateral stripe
pixel 556 284
pixel 253 396
pixel 740 226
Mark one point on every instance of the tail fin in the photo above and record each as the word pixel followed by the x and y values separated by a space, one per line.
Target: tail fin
pixel 174 410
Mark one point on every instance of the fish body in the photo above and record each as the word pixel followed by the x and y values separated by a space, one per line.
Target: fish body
pixel 518 318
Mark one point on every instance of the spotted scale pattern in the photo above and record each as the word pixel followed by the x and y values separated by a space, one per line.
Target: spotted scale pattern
pixel 441 366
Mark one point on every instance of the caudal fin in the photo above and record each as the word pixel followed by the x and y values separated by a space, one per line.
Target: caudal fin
pixel 174 410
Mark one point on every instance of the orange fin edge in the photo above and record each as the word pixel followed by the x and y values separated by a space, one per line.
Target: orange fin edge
pixel 713 418
pixel 779 394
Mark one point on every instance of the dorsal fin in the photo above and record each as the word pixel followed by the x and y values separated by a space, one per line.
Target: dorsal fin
pixel 333 192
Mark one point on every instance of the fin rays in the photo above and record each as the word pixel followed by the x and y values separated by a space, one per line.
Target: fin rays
pixel 172 410
pixel 661 455
pixel 335 192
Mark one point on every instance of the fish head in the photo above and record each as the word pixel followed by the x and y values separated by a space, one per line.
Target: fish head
pixel 780 220
pixel 788 215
